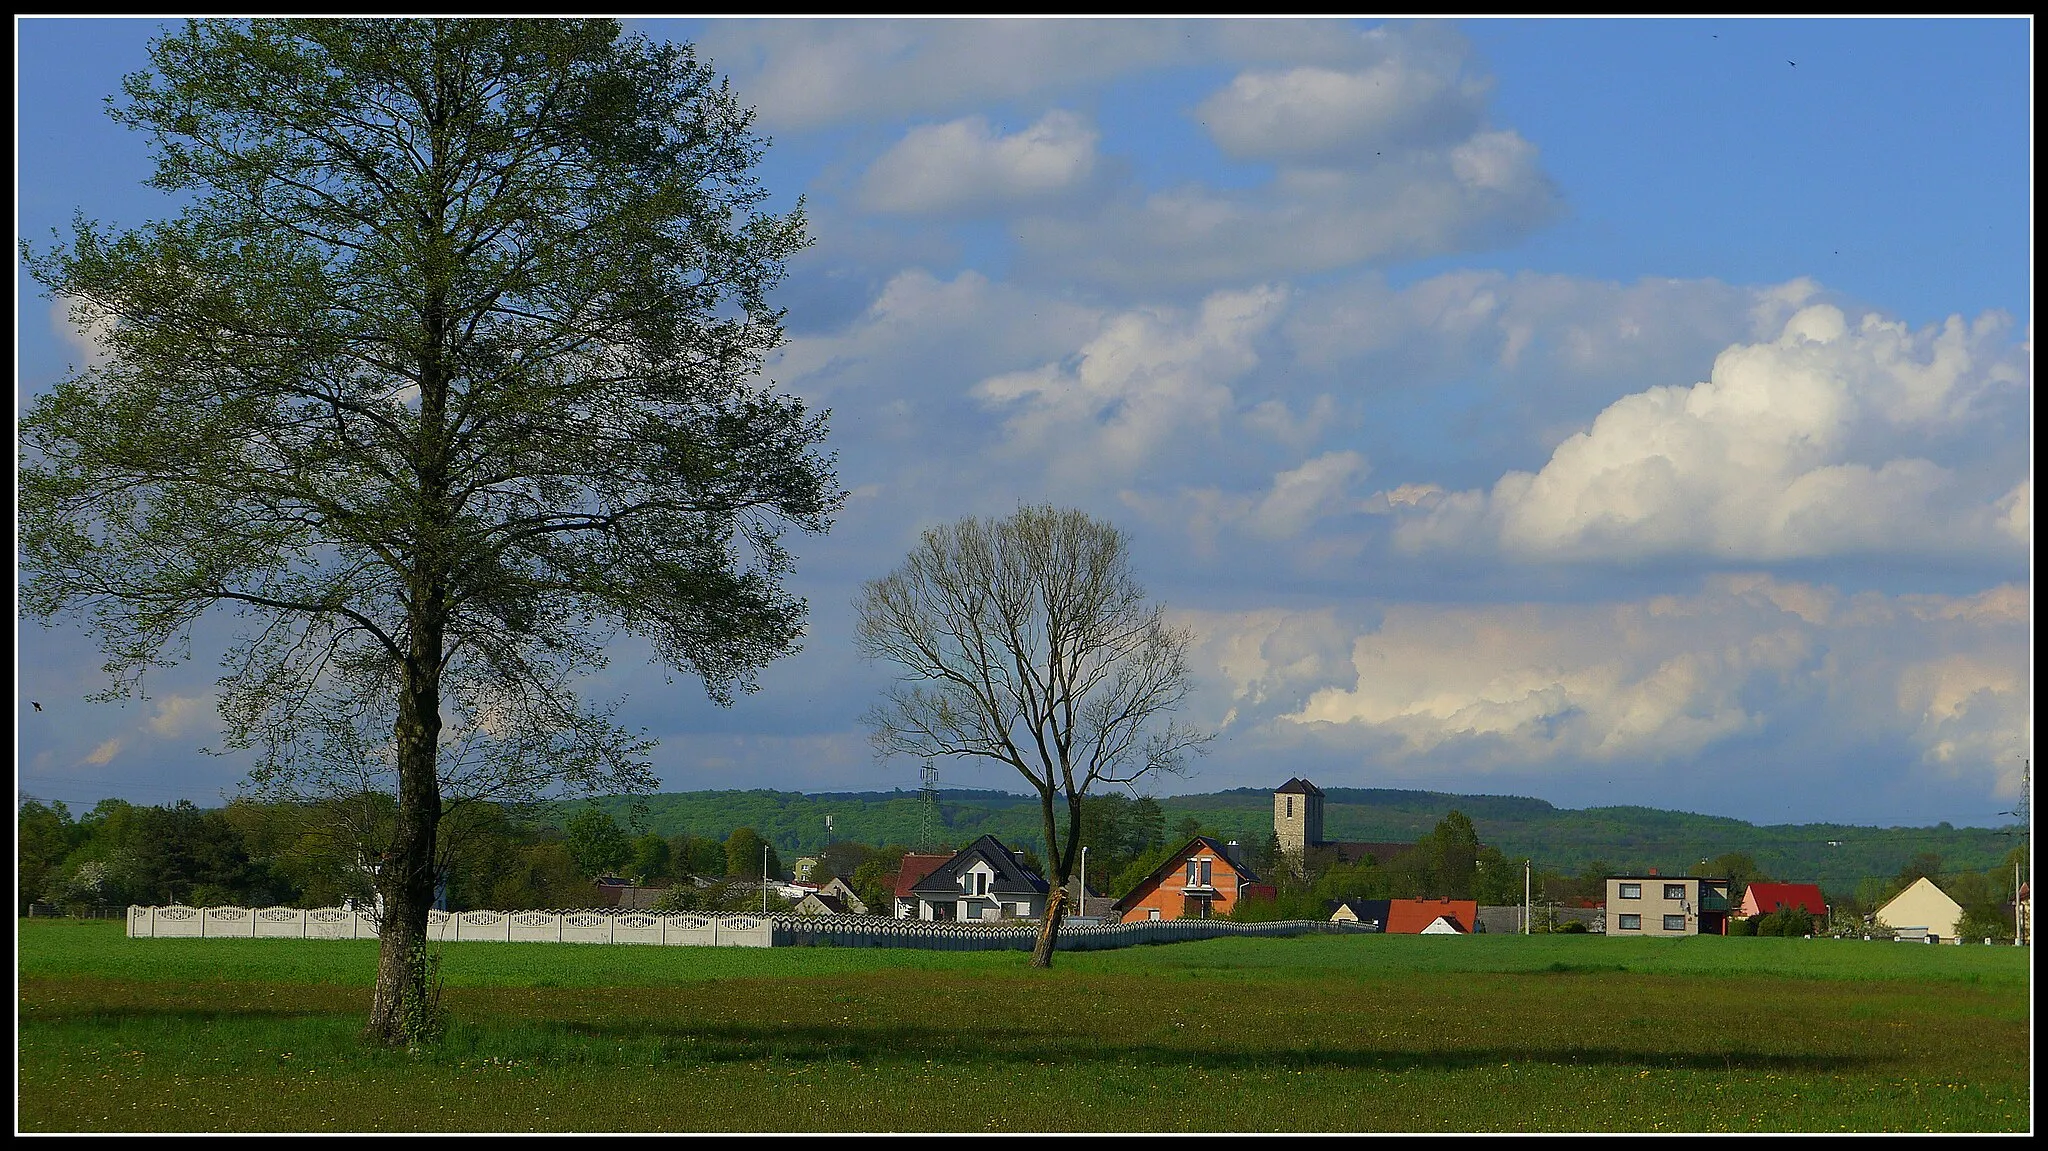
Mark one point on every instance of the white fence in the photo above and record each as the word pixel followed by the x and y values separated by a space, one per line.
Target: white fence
pixel 684 928
pixel 593 926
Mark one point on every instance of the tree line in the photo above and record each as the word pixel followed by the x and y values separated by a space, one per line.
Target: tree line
pixel 256 854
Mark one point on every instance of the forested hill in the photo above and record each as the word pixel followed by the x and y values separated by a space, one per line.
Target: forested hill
pixel 1562 840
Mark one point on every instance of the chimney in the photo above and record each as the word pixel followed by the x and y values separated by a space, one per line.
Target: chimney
pixel 1653 871
pixel 1234 853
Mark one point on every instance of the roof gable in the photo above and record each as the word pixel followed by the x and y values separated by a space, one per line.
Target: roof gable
pixel 1919 889
pixel 1200 844
pixel 1010 876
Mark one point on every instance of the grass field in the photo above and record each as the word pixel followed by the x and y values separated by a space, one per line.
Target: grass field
pixel 1321 1033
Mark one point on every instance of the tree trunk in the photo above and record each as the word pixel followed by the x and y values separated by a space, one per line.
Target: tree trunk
pixel 405 875
pixel 1049 927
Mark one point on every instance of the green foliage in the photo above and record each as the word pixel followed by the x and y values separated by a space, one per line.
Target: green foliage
pixel 697 855
pixel 1983 922
pixel 597 843
pixel 875 883
pixel 422 1020
pixel 1345 881
pixel 1139 868
pixel 743 855
pixel 1117 829
pixel 652 861
pixel 446 374
pixel 1789 922
pixel 1740 869
pixel 843 858
pixel 44 835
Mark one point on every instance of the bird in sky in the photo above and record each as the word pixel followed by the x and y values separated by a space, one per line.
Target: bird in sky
pixel 34 704
pixel 1794 63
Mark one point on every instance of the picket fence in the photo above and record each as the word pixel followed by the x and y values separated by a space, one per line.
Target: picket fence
pixel 610 925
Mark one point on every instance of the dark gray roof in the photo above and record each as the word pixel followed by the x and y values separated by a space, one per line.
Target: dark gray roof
pixel 1297 787
pixel 1372 913
pixel 1011 878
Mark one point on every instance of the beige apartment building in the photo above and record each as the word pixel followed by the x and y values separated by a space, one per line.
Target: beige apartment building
pixel 1666 905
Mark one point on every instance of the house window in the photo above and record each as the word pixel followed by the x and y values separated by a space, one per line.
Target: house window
pixel 1290 807
pixel 977 882
pixel 1674 891
pixel 1674 923
pixel 1631 923
pixel 1631 891
pixel 1153 913
pixel 1193 872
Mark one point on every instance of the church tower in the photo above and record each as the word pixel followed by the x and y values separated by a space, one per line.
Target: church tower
pixel 1298 817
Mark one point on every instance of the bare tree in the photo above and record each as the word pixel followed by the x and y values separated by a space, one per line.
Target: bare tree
pixel 1028 641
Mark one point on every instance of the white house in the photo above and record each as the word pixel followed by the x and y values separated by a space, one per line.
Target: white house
pixel 983 881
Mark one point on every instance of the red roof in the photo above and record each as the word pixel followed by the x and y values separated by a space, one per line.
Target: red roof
pixel 1410 916
pixel 1768 897
pixel 915 868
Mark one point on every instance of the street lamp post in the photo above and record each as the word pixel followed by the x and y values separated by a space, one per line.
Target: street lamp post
pixel 1527 890
pixel 764 879
pixel 1084 882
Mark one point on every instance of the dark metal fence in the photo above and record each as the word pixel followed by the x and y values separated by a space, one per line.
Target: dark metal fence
pixel 74 911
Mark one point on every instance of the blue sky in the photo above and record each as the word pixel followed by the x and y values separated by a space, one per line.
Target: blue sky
pixel 1608 411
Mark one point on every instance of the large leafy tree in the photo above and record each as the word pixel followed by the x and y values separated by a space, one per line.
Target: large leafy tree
pixel 447 371
pixel 1029 641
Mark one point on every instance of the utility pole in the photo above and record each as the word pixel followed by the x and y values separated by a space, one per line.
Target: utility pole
pixel 1526 893
pixel 1084 881
pixel 764 877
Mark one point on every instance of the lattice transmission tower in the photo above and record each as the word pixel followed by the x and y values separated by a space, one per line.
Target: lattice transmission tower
pixel 928 809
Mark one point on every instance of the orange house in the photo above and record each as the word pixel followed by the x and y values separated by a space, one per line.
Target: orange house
pixel 1203 879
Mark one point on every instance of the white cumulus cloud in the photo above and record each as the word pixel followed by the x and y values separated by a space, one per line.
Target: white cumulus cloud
pixel 1316 113
pixel 967 165
pixel 1820 442
pixel 1747 660
pixel 1152 381
pixel 176 713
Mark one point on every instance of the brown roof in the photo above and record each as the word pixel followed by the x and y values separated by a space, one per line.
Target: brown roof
pixel 913 871
pixel 1297 787
pixel 1410 916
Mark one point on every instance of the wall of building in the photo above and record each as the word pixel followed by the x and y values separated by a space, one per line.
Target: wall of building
pixel 1922 905
pixel 1653 905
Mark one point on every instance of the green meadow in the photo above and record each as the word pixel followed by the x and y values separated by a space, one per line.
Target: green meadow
pixel 1319 1033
